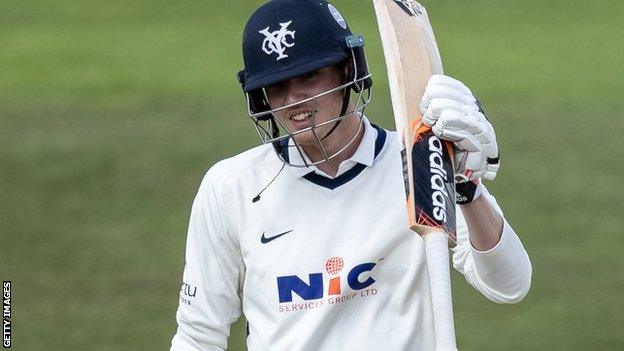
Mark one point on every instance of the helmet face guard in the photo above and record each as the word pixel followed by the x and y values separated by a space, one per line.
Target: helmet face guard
pixel 271 130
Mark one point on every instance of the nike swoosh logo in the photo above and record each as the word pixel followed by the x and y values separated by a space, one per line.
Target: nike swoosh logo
pixel 265 240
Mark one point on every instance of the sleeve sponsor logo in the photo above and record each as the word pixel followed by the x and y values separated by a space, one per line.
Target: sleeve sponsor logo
pixel 187 293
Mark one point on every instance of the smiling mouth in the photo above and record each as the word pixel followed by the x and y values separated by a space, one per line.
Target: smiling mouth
pixel 301 120
pixel 300 117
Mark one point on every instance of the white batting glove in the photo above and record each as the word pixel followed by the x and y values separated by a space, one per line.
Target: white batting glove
pixel 454 114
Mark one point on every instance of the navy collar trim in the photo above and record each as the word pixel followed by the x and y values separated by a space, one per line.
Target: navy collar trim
pixel 347 176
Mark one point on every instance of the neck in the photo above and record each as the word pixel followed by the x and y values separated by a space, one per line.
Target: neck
pixel 335 142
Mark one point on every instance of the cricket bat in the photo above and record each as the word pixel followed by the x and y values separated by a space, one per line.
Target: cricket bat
pixel 412 56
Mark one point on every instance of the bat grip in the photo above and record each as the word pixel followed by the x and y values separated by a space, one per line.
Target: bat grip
pixel 437 253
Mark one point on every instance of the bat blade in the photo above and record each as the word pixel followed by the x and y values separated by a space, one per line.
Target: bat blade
pixel 412 57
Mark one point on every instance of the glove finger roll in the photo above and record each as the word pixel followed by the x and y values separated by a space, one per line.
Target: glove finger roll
pixel 440 79
pixel 440 105
pixel 440 91
pixel 461 121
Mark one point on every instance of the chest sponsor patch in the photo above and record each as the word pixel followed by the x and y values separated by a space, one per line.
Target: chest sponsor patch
pixel 333 286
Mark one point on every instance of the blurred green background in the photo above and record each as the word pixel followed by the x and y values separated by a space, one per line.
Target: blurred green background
pixel 111 111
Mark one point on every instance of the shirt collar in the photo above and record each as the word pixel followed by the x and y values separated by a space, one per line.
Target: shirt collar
pixel 364 154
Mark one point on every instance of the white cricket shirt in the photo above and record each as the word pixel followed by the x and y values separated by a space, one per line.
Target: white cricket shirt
pixel 320 263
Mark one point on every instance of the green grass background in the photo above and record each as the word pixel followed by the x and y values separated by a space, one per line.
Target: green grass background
pixel 111 111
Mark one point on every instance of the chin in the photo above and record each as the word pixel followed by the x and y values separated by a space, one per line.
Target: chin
pixel 307 139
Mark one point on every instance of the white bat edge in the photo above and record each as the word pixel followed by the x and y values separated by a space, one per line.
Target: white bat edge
pixel 391 55
pixel 437 254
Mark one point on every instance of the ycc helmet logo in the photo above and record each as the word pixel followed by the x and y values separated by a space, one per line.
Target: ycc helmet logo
pixel 276 42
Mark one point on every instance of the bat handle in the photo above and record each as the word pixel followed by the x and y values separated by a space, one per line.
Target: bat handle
pixel 437 253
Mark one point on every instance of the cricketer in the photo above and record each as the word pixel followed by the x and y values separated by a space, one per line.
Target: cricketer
pixel 306 234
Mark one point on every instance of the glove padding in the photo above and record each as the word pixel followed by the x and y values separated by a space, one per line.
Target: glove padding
pixel 455 114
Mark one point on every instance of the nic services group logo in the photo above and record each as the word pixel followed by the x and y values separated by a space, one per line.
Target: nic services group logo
pixel 332 287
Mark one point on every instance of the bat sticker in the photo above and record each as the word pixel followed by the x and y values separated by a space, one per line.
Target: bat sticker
pixel 411 7
pixel 434 189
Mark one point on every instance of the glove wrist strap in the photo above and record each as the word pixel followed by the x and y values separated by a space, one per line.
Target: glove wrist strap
pixel 466 192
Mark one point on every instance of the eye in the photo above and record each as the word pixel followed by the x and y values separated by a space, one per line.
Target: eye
pixel 309 75
pixel 274 89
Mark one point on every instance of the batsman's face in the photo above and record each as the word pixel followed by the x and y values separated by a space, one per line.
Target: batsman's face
pixel 313 112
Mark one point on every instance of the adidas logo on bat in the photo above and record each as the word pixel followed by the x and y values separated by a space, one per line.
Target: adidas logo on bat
pixel 438 177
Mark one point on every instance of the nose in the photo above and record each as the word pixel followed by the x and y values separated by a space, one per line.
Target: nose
pixel 293 92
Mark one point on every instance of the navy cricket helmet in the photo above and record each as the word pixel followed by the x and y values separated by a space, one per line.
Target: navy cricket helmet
pixel 287 38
